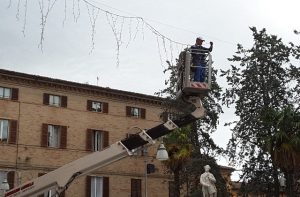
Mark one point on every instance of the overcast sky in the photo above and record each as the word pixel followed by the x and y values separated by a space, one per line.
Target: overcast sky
pixel 68 42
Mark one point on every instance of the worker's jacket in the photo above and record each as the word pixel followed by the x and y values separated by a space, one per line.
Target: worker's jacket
pixel 199 53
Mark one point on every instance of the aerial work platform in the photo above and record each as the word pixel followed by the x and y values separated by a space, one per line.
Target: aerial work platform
pixel 185 84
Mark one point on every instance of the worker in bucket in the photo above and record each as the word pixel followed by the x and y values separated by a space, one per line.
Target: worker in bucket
pixel 199 53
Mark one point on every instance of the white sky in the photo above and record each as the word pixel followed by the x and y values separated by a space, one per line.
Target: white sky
pixel 66 49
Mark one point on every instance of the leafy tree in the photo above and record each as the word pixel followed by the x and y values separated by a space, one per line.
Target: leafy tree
pixel 259 79
pixel 192 147
pixel 179 149
pixel 294 70
pixel 284 144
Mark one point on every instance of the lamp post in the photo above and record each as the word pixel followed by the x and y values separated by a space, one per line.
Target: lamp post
pixel 282 183
pixel 161 155
pixel 146 172
pixel 4 186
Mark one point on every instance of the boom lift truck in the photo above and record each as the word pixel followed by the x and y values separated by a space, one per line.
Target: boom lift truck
pixel 59 179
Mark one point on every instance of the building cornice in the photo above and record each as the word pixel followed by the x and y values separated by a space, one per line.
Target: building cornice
pixel 41 81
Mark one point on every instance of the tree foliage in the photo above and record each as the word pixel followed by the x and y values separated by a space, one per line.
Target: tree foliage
pixel 179 149
pixel 192 147
pixel 260 78
pixel 284 144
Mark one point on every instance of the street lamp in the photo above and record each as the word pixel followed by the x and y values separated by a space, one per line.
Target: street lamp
pixel 162 153
pixel 4 186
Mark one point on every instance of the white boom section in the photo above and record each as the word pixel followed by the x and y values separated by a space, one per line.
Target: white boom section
pixel 59 178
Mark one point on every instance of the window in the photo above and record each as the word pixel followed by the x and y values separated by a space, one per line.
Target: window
pixel 3 176
pixel 9 176
pixel 135 112
pixel 136 188
pixel 54 136
pixel 8 131
pixel 165 116
pixel 97 186
pixel 9 93
pixel 97 106
pixel 96 140
pixel 55 100
pixel 3 130
pixel 5 92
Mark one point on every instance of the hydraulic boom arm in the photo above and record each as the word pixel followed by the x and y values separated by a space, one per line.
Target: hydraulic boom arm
pixel 62 177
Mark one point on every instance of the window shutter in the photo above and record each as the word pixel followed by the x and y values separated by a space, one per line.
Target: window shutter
pixel 44 136
pixel 13 127
pixel 11 179
pixel 133 188
pixel 14 94
pixel 89 105
pixel 63 137
pixel 136 188
pixel 143 113
pixel 139 188
pixel 89 138
pixel 105 139
pixel 64 101
pixel 46 99
pixel 105 107
pixel 105 187
pixel 128 111
pixel 88 186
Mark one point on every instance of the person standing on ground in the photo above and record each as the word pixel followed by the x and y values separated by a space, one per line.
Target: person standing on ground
pixel 198 58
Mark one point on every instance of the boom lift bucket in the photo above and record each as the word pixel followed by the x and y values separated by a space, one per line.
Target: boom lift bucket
pixel 185 70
